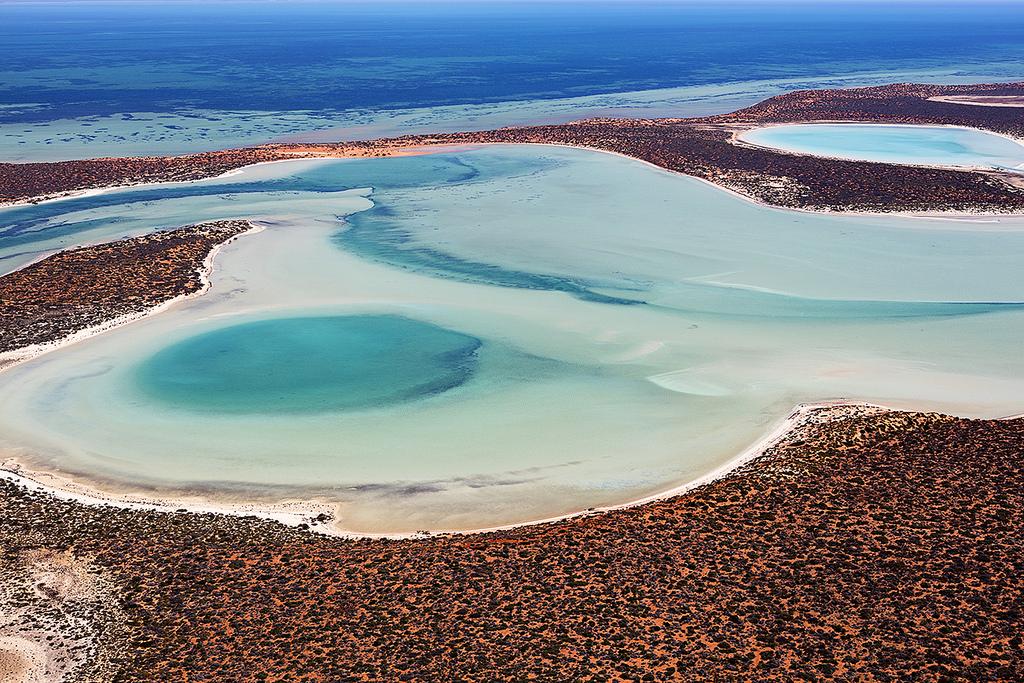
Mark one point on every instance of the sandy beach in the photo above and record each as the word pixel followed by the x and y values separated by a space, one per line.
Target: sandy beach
pixel 323 517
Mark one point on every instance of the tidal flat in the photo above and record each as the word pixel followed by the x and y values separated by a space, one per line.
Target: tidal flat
pixel 614 330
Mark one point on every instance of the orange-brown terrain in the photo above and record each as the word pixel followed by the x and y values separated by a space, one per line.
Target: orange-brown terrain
pixel 80 288
pixel 703 147
pixel 868 545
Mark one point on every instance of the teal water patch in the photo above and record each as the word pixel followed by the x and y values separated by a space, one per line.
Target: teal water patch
pixel 309 364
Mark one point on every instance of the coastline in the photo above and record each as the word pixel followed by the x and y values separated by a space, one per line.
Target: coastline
pixel 419 149
pixel 320 517
pixel 411 150
pixel 95 191
pixel 869 528
pixel 10 359
pixel 841 122
pixel 708 148
pixel 952 215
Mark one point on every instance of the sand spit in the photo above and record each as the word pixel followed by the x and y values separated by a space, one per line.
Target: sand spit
pixel 78 293
pixel 865 544
pixel 703 147
pixel 982 100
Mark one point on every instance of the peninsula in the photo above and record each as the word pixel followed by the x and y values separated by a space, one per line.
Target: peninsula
pixel 705 148
pixel 80 291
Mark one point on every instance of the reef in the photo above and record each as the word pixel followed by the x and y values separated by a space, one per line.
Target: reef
pixel 706 148
pixel 79 289
pixel 867 545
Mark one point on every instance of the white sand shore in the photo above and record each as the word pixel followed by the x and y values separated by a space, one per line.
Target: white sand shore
pixel 981 100
pixel 321 516
pixel 9 359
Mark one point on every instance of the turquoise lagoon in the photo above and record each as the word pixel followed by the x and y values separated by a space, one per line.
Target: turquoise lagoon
pixel 339 362
pixel 924 145
pixel 492 336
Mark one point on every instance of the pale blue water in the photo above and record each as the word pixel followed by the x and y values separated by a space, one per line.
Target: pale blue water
pixel 601 330
pixel 927 145
pixel 309 364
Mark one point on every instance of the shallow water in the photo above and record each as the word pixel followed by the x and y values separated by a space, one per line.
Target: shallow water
pixel 925 145
pixel 590 330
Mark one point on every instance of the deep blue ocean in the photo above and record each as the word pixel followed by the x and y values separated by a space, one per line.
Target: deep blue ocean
pixel 64 60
